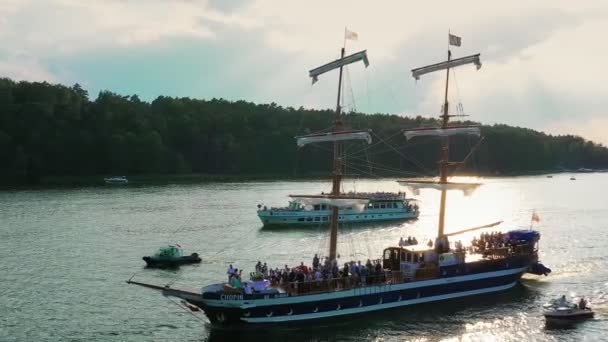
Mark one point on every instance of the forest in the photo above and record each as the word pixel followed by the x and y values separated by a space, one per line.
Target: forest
pixel 51 130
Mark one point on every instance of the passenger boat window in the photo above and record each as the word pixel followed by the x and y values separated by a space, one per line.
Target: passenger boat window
pixel 325 218
pixel 301 219
pixel 408 257
pixel 375 205
pixel 349 208
pixel 403 256
pixel 308 219
pixel 317 207
pixel 323 206
pixel 317 219
pixel 395 205
pixel 387 254
pixel 382 206
pixel 415 257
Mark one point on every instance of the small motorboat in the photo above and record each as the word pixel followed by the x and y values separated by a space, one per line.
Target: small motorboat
pixel 120 180
pixel 563 311
pixel 171 256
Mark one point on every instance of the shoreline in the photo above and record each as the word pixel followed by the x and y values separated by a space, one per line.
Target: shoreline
pixel 143 180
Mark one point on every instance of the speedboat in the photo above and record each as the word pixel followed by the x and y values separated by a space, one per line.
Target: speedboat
pixel 171 256
pixel 561 310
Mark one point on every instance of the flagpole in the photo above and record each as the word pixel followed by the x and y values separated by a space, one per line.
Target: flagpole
pixel 344 44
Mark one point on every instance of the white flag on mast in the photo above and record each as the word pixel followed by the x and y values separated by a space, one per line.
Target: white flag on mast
pixel 455 40
pixel 351 35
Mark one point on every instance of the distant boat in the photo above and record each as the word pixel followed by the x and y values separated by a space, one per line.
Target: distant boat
pixel 549 176
pixel 116 180
pixel 572 178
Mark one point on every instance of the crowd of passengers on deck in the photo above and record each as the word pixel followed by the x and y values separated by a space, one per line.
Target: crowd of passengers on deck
pixel 350 274
pixel 488 241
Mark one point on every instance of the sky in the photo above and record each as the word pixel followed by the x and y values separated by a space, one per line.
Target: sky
pixel 544 61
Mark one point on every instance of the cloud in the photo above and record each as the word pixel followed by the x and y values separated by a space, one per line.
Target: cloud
pixel 543 63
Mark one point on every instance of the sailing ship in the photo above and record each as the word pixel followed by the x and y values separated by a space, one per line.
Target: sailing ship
pixel 403 276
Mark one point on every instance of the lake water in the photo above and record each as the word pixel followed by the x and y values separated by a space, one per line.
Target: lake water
pixel 66 254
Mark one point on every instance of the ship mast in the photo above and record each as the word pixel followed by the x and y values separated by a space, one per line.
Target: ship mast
pixel 445 151
pixel 337 169
pixel 337 136
pixel 444 131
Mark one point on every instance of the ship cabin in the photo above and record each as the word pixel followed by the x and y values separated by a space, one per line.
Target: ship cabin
pixel 420 262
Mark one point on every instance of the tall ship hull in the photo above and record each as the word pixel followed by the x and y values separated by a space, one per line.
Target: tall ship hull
pixel 381 207
pixel 403 281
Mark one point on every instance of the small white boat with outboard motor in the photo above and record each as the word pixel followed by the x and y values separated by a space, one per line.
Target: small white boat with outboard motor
pixel 562 310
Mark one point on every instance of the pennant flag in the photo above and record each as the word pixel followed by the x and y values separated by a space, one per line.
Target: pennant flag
pixel 455 40
pixel 535 217
pixel 351 35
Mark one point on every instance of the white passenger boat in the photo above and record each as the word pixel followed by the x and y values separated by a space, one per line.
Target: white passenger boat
pixel 116 180
pixel 380 206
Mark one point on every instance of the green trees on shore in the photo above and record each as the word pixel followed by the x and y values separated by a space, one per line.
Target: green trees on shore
pixel 54 130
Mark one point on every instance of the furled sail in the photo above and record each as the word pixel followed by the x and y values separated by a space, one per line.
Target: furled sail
pixel 474 59
pixel 415 186
pixel 355 57
pixel 309 201
pixel 334 136
pixel 442 132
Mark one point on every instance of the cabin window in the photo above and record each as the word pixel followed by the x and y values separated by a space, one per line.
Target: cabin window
pixel 357 216
pixel 284 219
pixel 349 208
pixel 408 257
pixel 309 219
pixel 395 205
pixel 382 206
pixel 375 205
pixel 387 254
pixel 415 257
pixel 317 207
pixel 325 218
pixel 402 256
pixel 317 219
pixel 323 206
pixel 301 219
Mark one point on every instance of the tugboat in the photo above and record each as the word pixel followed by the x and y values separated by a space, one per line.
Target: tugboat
pixel 402 276
pixel 171 256
pixel 381 206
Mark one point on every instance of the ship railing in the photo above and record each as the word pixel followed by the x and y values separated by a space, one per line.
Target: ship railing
pixel 346 283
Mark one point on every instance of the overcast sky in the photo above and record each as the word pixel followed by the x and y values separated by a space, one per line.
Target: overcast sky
pixel 544 62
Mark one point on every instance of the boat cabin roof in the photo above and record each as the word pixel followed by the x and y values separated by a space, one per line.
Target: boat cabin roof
pixel 413 248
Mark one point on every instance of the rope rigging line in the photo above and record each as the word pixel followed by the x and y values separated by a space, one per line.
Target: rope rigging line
pixel 411 159
pixel 386 168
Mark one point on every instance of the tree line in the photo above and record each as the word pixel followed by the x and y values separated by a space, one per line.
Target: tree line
pixel 55 130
